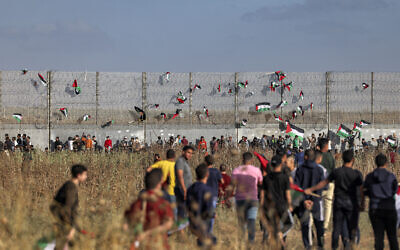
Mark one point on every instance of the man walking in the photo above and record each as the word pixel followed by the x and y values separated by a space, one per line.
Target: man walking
pixel 381 187
pixel 64 208
pixel 246 179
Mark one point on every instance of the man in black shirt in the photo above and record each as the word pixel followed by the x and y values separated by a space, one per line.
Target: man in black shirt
pixel 64 208
pixel 381 187
pixel 348 183
pixel 276 200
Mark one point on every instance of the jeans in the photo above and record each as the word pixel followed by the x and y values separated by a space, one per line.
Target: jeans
pixel 180 204
pixel 247 215
pixel 384 220
pixel 212 220
pixel 341 214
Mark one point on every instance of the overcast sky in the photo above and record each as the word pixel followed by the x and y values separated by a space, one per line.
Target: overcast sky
pixel 194 35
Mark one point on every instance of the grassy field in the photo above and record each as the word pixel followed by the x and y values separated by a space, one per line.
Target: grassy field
pixel 27 186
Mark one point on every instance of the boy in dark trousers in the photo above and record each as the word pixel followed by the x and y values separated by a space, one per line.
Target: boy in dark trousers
pixel 348 184
pixel 200 207
pixel 307 175
pixel 64 208
pixel 276 201
pixel 381 186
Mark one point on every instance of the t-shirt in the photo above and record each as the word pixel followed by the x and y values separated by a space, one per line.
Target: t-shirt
pixel 66 203
pixel 168 171
pixel 199 202
pixel 328 162
pixel 247 178
pixel 347 185
pixel 182 164
pixel 151 214
pixel 213 180
pixel 223 186
pixel 275 186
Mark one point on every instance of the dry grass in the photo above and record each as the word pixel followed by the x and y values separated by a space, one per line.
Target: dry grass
pixel 27 187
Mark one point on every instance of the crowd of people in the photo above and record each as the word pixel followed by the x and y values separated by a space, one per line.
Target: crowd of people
pixel 16 143
pixel 308 186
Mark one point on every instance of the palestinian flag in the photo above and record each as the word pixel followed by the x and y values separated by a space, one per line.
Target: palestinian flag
pixel 17 117
pixel 230 91
pixel 205 109
pixel 357 127
pixel 44 82
pixel 288 86
pixel 391 141
pixel 280 75
pixel 300 110
pixel 64 111
pixel 86 117
pixel 163 115
pixel 301 95
pixel 177 112
pixel 45 243
pixel 166 76
pixel 196 86
pixel 292 130
pixel 243 84
pixel 261 158
pixel 294 115
pixel 263 106
pixel 181 99
pixel 273 86
pixel 219 88
pixel 243 123
pixel 75 84
pixel 24 71
pixel 344 131
pixel 297 194
pixel 77 90
pixel 364 123
pixel 365 86
pixel 311 106
pixel 278 118
pixel 281 104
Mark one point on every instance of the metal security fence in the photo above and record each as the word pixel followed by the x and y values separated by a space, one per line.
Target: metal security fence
pixel 337 97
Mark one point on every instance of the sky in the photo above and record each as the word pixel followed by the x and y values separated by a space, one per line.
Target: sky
pixel 200 36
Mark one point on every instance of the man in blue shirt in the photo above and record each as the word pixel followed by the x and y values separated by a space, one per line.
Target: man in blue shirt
pixel 214 178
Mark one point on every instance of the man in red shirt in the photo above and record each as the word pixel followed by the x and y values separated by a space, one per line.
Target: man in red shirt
pixel 108 144
pixel 150 216
pixel 184 141
pixel 223 194
pixel 202 145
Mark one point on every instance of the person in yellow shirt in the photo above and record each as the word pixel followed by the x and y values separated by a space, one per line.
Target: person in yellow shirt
pixel 168 170
pixel 89 143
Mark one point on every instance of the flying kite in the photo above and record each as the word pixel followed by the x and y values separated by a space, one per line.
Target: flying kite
pixel 44 82
pixel 141 113
pixel 77 89
pixel 64 111
pixel 107 124
pixel 17 117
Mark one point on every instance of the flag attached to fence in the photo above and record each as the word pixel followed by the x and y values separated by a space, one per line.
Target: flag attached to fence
pixel 273 86
pixel 278 118
pixel 86 117
pixel 243 84
pixel 292 131
pixel 288 86
pixel 17 117
pixel 64 111
pixel 357 127
pixel 205 110
pixel 301 95
pixel 365 86
pixel 42 80
pixel 281 75
pixel 281 104
pixel 343 131
pixel 263 106
pixel 243 123
pixel 364 123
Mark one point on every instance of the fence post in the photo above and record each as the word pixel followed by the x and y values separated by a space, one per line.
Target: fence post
pixel 327 83
pixel 372 100
pixel 190 99
pixel 236 108
pixel 49 107
pixel 144 92
pixel 97 98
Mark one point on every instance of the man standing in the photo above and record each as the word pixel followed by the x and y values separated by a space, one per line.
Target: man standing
pixel 328 162
pixel 183 175
pixel 89 143
pixel 246 179
pixel 346 205
pixel 381 186
pixel 307 175
pixel 108 144
pixel 64 208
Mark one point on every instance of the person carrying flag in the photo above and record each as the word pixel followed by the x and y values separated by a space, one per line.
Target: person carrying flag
pixel 308 175
pixel 64 208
